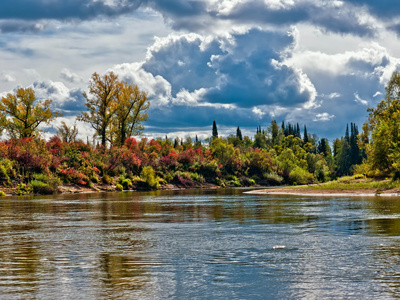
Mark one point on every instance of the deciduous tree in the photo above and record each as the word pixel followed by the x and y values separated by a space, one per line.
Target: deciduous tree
pixel 132 106
pixel 25 113
pixel 101 103
pixel 67 133
pixel 383 150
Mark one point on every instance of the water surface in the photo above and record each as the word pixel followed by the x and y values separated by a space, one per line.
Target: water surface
pixel 207 244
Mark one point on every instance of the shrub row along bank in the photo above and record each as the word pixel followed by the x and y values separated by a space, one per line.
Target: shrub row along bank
pixel 32 165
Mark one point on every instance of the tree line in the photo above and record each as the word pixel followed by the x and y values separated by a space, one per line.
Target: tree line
pixel 275 155
pixel 115 110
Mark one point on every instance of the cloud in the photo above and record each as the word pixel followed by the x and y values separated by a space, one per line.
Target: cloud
pixel 323 117
pixel 70 102
pixel 68 76
pixel 157 88
pixel 8 26
pixel 6 77
pixel 344 17
pixel 359 100
pixel 381 8
pixel 244 69
pixel 64 10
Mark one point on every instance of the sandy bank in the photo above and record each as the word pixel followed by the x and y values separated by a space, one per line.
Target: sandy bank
pixel 309 191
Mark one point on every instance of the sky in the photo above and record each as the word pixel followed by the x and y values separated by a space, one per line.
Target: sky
pixel 319 63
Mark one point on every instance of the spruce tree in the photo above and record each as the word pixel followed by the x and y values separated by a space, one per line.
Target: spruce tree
pixel 274 132
pixel 239 134
pixel 298 131
pixel 347 137
pixel 214 131
pixel 305 135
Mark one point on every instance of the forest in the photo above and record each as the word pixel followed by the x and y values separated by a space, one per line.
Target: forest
pixel 278 154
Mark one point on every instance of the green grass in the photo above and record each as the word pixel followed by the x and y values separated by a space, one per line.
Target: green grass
pixel 350 183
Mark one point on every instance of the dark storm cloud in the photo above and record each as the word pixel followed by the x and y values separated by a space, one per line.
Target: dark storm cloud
pixel 7 26
pixel 184 64
pixel 379 8
pixel 194 15
pixel 253 76
pixel 320 13
pixel 396 28
pixel 246 71
pixel 179 8
pixel 61 10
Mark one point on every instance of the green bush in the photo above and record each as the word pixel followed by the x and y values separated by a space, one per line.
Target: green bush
pixel 197 177
pixel 2 194
pixel 3 173
pixel 6 169
pixel 273 178
pixel 148 175
pixel 127 184
pixel 41 177
pixel 39 187
pixel 300 176
pixel 107 179
pixel 220 182
pixel 23 189
pixel 234 183
pixel 168 176
pixel 119 187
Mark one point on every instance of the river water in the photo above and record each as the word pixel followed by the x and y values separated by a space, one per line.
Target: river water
pixel 199 244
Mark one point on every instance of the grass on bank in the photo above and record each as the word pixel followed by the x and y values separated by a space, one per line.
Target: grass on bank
pixel 355 182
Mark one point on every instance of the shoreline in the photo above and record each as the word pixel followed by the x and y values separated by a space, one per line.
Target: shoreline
pixel 103 188
pixel 309 191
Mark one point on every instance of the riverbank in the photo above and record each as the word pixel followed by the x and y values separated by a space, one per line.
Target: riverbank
pixel 346 186
pixel 76 188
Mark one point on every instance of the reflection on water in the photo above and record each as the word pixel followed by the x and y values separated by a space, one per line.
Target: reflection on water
pixel 203 244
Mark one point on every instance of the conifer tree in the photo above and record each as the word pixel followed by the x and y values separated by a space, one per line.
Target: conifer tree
pixel 305 135
pixel 239 134
pixel 298 131
pixel 274 132
pixel 214 131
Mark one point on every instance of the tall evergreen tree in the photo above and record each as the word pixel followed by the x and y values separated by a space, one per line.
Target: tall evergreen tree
pixel 239 134
pixel 298 131
pixel 347 136
pixel 355 153
pixel 214 131
pixel 305 135
pixel 274 132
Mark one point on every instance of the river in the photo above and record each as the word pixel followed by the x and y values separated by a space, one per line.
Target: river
pixel 199 244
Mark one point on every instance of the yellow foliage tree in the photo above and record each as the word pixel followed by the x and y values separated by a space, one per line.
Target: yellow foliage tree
pixel 115 108
pixel 131 112
pixel 22 113
pixel 101 103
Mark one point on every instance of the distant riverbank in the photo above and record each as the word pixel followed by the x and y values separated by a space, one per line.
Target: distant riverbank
pixel 76 188
pixel 345 186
